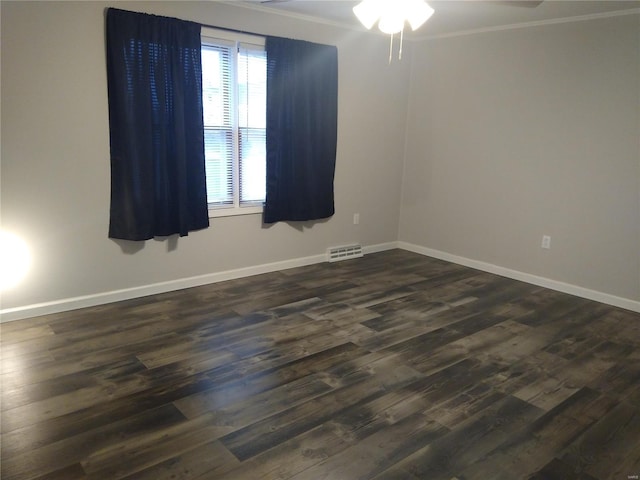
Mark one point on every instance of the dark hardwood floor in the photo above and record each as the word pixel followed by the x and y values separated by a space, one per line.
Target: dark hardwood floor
pixel 393 366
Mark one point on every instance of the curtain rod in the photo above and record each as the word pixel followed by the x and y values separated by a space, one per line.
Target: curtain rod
pixel 228 29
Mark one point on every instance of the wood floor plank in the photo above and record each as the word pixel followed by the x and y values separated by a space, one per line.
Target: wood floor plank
pixel 66 452
pixel 72 472
pixel 251 407
pixel 611 440
pixel 10 337
pixel 375 453
pixel 477 345
pixel 287 459
pixel 342 314
pixel 392 366
pixel 461 407
pixel 621 379
pixel 16 394
pixel 47 367
pixel 559 470
pixel 103 413
pixel 121 381
pixel 361 387
pixel 150 448
pixel 536 444
pixel 263 382
pixel 449 454
pixel 210 459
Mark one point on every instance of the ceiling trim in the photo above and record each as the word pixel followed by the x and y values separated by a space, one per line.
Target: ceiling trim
pixel 297 16
pixel 515 26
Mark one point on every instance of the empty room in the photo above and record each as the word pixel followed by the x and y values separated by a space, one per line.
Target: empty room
pixel 306 240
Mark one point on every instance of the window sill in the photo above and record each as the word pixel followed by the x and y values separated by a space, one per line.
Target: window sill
pixel 232 212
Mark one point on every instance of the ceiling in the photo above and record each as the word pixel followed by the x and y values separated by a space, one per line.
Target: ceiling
pixel 453 16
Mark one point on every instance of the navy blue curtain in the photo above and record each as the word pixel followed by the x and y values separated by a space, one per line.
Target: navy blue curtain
pixel 154 70
pixel 302 121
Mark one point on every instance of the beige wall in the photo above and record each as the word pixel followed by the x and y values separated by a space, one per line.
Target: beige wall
pixel 55 154
pixel 515 134
pixel 507 136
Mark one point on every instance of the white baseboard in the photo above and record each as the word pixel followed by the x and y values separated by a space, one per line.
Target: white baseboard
pixel 621 302
pixel 380 247
pixel 102 298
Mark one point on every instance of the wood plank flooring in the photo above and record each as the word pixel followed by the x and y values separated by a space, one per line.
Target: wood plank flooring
pixel 393 366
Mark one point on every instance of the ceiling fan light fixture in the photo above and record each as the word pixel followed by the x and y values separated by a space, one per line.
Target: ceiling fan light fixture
pixel 391 22
pixel 391 15
pixel 417 13
pixel 368 12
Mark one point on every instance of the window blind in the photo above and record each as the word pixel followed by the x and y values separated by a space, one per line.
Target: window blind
pixel 217 93
pixel 252 105
pixel 234 111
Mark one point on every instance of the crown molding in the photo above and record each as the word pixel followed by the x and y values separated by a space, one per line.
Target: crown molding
pixel 539 23
pixel 294 15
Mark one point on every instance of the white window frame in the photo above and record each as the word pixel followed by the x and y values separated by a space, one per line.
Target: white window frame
pixel 212 36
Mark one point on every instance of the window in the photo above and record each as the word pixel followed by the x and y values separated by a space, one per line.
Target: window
pixel 234 84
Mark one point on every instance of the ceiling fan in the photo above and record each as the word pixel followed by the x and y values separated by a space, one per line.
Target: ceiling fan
pixel 391 18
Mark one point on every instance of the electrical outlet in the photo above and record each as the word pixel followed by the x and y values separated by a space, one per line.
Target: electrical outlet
pixel 546 242
pixel 356 218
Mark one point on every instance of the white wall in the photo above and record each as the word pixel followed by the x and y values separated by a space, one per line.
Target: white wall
pixel 515 134
pixel 55 154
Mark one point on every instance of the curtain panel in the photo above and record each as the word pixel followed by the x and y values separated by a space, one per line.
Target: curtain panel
pixel 302 119
pixel 154 75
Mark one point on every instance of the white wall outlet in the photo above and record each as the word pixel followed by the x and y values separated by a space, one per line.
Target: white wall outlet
pixel 546 242
pixel 356 218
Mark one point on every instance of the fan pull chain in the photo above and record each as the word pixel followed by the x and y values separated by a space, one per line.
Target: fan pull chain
pixel 400 47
